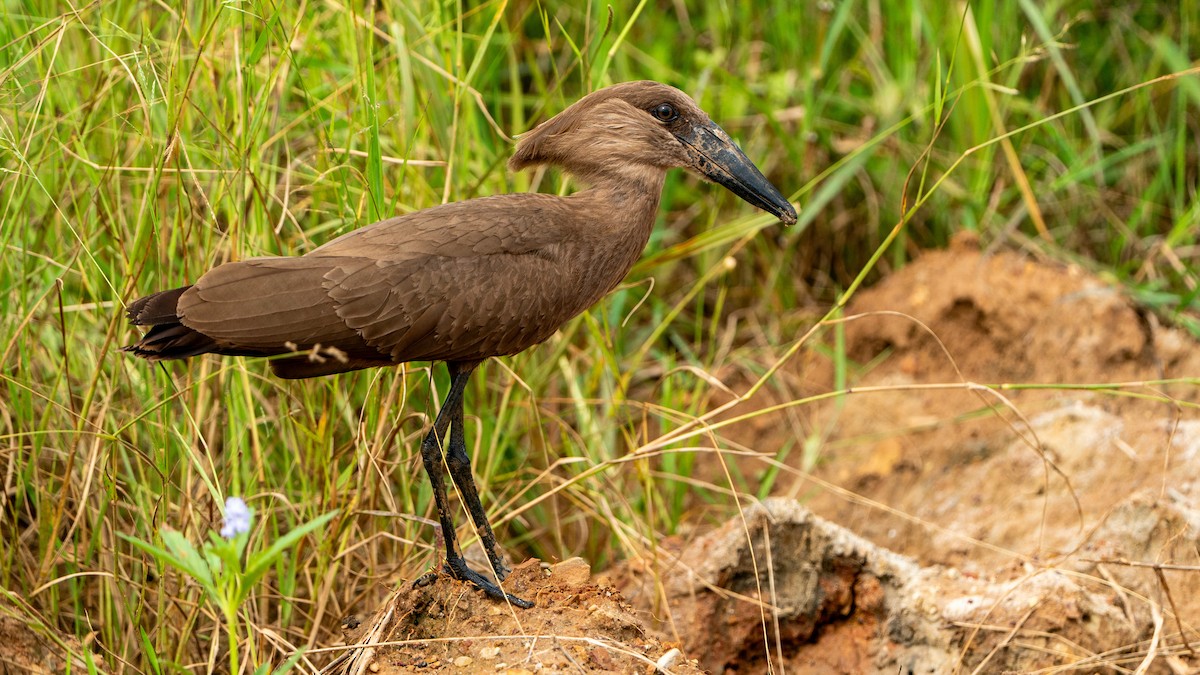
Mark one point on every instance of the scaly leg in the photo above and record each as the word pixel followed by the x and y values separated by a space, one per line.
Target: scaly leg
pixel 460 471
pixel 451 415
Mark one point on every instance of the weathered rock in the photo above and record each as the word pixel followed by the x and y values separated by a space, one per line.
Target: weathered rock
pixel 812 597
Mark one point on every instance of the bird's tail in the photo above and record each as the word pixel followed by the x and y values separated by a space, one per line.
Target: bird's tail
pixel 168 338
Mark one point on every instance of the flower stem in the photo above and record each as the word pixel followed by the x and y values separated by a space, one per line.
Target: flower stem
pixel 232 633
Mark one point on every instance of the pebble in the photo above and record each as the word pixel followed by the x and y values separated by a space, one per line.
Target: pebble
pixel 668 660
pixel 573 571
pixel 464 661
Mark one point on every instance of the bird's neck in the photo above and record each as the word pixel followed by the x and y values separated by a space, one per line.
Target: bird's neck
pixel 619 216
pixel 626 200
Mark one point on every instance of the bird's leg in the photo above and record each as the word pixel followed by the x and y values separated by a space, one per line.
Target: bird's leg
pixel 431 455
pixel 460 471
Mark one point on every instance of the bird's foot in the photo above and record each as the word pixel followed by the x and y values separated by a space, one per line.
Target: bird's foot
pixel 458 569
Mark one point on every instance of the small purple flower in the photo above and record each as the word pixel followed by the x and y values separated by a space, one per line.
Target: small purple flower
pixel 237 518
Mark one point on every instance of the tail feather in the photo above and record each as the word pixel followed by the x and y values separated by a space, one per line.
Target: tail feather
pixel 252 317
pixel 156 308
pixel 167 337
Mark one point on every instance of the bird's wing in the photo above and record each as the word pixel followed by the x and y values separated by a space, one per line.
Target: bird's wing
pixel 512 223
pixel 461 281
pixel 451 308
pixel 265 304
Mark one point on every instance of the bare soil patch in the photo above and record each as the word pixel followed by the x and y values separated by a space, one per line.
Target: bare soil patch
pixel 1035 515
pixel 447 626
pixel 27 645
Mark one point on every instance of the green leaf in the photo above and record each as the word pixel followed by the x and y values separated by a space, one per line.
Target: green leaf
pixel 260 562
pixel 148 651
pixel 187 558
pixel 288 665
pixel 179 553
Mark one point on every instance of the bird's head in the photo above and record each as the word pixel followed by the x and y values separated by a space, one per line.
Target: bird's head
pixel 635 131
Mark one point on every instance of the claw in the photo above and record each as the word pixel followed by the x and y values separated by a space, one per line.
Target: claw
pixel 458 569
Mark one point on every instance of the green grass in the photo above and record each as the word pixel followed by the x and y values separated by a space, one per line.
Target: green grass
pixel 142 143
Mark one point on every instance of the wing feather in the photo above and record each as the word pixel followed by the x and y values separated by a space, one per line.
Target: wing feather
pixel 265 303
pixel 466 280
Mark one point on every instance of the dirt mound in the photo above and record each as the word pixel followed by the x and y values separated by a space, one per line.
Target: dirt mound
pixel 1094 476
pixel 1006 317
pixel 1013 473
pixel 576 626
pixel 28 645
pixel 786 586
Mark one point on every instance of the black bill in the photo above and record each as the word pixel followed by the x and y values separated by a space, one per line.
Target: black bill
pixel 716 156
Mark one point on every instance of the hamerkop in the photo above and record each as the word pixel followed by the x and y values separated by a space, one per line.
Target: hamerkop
pixel 465 281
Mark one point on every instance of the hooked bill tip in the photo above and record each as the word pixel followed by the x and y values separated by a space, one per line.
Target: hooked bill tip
pixel 788 214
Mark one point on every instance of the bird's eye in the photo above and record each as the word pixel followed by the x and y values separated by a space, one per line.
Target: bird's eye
pixel 664 112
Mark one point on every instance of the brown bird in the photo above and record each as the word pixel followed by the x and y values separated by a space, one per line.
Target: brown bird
pixel 465 281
